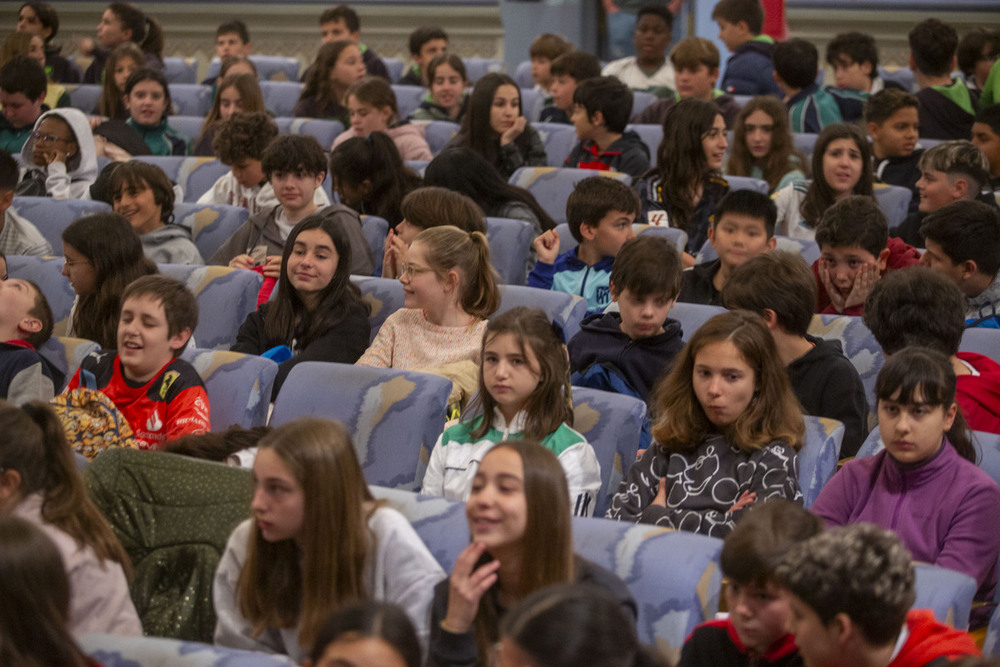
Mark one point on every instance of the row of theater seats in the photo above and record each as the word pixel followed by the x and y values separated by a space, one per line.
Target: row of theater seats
pixel 282 68
pixel 674 576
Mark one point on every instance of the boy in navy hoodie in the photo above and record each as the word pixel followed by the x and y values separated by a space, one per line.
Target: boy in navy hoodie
pixel 755 631
pixel 601 108
pixel 748 70
pixel 639 342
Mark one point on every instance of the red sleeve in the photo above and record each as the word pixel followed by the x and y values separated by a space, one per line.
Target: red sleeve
pixel 74 383
pixel 188 413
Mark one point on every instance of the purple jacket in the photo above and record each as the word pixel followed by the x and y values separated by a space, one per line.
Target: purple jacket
pixel 945 509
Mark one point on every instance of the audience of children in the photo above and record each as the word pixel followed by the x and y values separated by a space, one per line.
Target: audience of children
pixel 856 251
pixel 123 22
pixel 371 105
pixel 755 632
pixel 143 195
pixel 893 124
pixel 638 343
pixel 422 209
pixel 600 212
pixel 749 68
pixel 925 485
pixel 841 167
pixel 850 590
pixel 240 144
pixel 520 540
pixel 726 431
pixel 446 83
pixel 122 62
pixel 649 70
pixel 686 184
pixel 237 93
pixel 949 172
pixel 780 287
pixel 811 107
pixel 370 177
pixel 161 395
pixel 601 109
pixel 338 66
pixel 317 539
pixel 450 289
pixel 426 43
pixel 34 622
pixel 921 307
pixel 295 165
pixel 103 255
pixel 572 624
pixel 59 159
pixel 741 228
pixel 22 96
pixel 524 393
pixel 495 126
pixel 762 145
pixel 854 59
pixel 947 106
pixel 317 312
pixel 25 325
pixel 726 403
pixel 568 70
pixel 963 243
pixel 40 18
pixel 41 485
pixel 366 634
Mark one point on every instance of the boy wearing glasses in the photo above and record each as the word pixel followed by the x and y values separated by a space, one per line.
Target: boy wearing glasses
pixel 17 235
pixel 59 159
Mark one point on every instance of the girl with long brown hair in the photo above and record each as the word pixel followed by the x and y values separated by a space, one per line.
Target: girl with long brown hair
pixel 318 540
pixel 238 93
pixel 762 144
pixel 524 393
pixel 40 483
pixel 726 431
pixel 521 540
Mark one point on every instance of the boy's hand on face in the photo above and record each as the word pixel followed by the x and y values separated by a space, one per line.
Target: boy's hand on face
pixel 547 247
pixel 864 282
pixel 831 291
pixel 514 131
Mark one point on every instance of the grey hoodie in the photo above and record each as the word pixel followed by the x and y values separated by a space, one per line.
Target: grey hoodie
pixel 170 244
pixel 72 179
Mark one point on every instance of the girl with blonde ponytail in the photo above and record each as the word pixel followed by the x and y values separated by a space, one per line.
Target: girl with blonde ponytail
pixel 39 482
pixel 450 289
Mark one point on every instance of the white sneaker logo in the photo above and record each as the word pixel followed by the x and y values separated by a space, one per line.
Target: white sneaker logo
pixel 154 424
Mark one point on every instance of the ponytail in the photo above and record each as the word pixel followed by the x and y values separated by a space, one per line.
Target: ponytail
pixel 38 451
pixel 480 294
pixel 960 438
pixel 153 41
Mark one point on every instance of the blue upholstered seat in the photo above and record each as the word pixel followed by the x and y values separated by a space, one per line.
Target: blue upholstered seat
pixel 180 70
pixel 565 310
pixel 46 272
pixel 817 460
pixel 552 186
pixel 52 216
pixel 860 348
pixel 211 225
pixel 225 298
pixel 66 354
pixel 693 315
pixel 384 297
pixel 559 140
pixel 269 68
pixel 375 230
pixel 191 99
pixel 238 386
pixel 510 248
pixel 280 96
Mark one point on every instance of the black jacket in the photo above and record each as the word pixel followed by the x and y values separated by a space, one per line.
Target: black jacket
pixel 343 343
pixel 716 643
pixel 697 285
pixel 828 385
pixel 628 155
pixel 641 361
pixel 903 171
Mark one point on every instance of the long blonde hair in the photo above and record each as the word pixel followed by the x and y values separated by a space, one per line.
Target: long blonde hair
pixel 281 584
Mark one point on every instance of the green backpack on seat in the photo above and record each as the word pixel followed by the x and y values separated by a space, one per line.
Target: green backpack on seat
pixel 173 514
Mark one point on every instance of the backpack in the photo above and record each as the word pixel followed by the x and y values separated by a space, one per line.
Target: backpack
pixel 90 419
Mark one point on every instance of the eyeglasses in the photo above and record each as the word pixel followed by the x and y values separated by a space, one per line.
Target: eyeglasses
pixel 72 263
pixel 50 138
pixel 407 269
